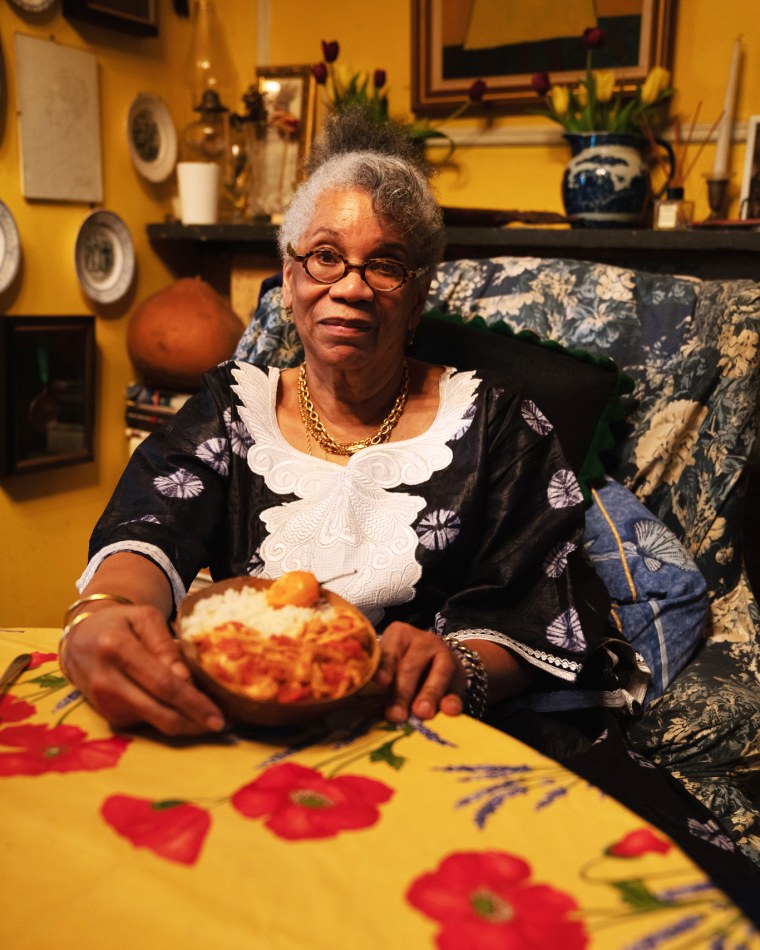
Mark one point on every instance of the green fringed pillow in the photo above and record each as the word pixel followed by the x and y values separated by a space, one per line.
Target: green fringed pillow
pixel 579 393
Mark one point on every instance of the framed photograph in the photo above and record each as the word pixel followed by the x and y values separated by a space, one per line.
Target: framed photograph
pixel 455 42
pixel 59 121
pixel 129 16
pixel 749 196
pixel 47 392
pixel 290 100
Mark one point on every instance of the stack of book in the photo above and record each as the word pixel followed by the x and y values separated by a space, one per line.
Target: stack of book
pixel 147 409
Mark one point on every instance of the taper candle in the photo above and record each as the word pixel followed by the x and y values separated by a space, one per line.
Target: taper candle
pixel 720 165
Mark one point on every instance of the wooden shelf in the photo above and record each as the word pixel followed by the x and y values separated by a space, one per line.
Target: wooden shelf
pixel 701 252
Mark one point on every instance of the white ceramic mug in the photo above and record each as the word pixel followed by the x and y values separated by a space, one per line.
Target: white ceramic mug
pixel 198 192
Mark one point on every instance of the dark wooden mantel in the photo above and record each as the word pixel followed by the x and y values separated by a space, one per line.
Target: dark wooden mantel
pixel 700 252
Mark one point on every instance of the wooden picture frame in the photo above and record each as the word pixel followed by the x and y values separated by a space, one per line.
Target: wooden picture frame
pixel 139 17
pixel 47 392
pixel 448 51
pixel 290 100
pixel 749 196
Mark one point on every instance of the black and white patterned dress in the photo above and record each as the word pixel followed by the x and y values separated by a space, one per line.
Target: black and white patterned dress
pixel 467 528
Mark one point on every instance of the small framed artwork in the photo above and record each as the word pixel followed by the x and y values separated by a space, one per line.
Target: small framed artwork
pixel 749 197
pixel 456 42
pixel 290 100
pixel 47 392
pixel 130 16
pixel 59 121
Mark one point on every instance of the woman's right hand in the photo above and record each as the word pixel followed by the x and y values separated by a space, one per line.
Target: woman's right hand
pixel 126 663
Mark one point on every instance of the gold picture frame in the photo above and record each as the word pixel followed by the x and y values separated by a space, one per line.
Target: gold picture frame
pixel 290 99
pixel 139 17
pixel 47 392
pixel 448 51
pixel 749 196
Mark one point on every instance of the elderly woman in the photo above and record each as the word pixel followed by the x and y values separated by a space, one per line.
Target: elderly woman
pixel 437 501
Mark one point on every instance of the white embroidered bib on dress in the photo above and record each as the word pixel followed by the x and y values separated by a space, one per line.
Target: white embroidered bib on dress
pixel 346 521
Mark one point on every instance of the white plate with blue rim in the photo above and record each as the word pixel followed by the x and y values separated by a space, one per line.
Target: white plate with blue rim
pixel 10 248
pixel 104 257
pixel 34 6
pixel 151 137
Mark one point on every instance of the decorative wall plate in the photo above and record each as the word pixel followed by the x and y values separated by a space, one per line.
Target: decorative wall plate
pixel 151 137
pixel 34 6
pixel 10 248
pixel 104 257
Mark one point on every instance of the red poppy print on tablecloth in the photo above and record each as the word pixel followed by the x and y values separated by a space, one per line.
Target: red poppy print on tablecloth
pixel 484 900
pixel 638 842
pixel 38 749
pixel 297 802
pixel 13 709
pixel 172 829
pixel 39 658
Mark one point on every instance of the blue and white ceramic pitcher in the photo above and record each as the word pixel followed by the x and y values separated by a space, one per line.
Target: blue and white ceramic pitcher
pixel 607 182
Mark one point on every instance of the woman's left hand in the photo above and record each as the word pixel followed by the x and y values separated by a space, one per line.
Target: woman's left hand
pixel 424 674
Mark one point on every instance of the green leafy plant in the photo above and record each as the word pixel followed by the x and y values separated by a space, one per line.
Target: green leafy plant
pixel 346 89
pixel 596 104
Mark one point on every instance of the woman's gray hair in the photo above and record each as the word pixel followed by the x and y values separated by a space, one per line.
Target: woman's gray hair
pixel 356 155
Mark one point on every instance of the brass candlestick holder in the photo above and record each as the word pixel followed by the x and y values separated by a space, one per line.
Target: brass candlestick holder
pixel 717 192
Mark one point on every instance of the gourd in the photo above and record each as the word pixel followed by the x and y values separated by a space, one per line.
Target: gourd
pixel 178 333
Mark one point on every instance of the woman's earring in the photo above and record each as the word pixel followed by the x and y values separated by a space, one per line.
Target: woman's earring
pixel 287 314
pixel 410 335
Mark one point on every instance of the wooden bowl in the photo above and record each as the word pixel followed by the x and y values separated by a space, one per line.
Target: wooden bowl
pixel 242 708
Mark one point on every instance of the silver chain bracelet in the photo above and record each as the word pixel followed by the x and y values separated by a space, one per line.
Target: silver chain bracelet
pixel 477 679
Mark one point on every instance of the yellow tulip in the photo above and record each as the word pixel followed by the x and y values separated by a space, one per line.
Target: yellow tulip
pixel 604 81
pixel 655 84
pixel 560 99
pixel 581 96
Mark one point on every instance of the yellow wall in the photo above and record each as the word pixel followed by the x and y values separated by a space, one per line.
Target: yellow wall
pixel 45 519
pixel 528 177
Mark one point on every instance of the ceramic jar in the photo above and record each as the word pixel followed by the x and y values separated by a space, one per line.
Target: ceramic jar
pixel 607 184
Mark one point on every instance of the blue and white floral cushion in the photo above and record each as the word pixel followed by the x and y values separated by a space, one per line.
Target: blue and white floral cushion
pixel 693 349
pixel 659 597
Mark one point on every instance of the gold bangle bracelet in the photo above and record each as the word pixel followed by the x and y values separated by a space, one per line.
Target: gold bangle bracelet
pixel 91 598
pixel 62 642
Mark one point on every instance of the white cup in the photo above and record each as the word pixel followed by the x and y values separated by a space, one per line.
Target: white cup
pixel 198 192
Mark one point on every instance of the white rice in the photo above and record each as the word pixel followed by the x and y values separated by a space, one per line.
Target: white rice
pixel 249 606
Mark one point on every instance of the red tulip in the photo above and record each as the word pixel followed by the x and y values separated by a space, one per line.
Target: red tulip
pixel 330 50
pixel 593 37
pixel 541 83
pixel 379 78
pixel 477 90
pixel 319 72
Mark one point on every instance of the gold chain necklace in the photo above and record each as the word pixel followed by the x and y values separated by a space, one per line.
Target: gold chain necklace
pixel 314 427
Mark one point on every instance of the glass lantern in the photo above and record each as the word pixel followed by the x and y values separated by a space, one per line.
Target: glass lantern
pixel 242 156
pixel 206 138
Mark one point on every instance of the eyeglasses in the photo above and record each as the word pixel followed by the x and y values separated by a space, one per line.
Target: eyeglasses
pixel 382 274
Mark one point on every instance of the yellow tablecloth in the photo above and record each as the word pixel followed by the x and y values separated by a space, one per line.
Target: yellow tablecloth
pixel 447 834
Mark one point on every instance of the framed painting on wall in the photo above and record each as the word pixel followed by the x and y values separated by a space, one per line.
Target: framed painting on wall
pixel 59 121
pixel 749 197
pixel 506 42
pixel 130 16
pixel 290 100
pixel 47 392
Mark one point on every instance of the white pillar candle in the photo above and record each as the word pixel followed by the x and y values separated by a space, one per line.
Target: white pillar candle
pixel 720 165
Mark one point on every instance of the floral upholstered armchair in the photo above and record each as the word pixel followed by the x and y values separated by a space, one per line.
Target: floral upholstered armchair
pixel 692 350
